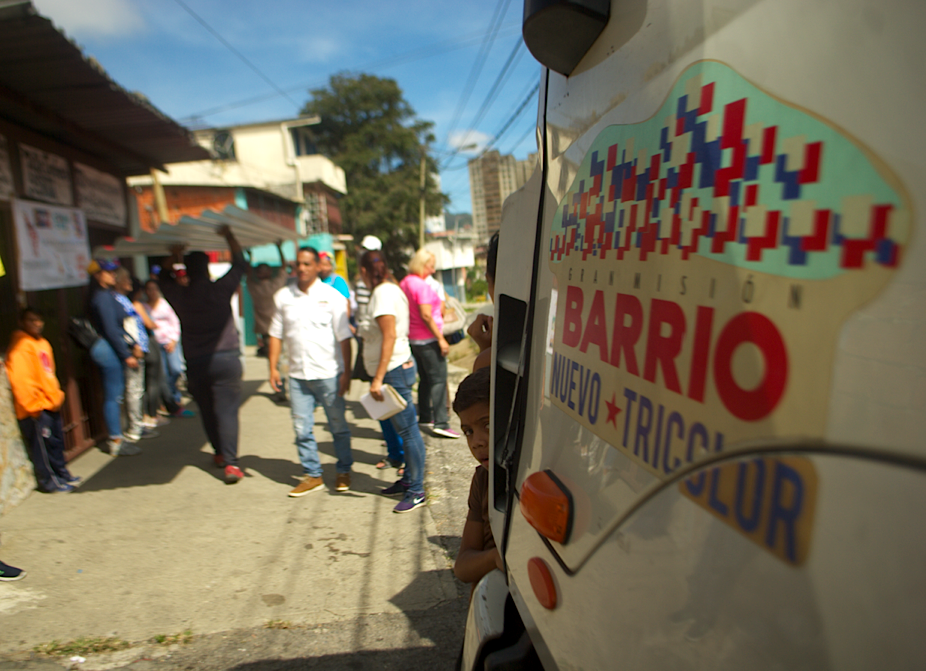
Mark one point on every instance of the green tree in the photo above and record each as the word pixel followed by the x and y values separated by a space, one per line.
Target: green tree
pixel 371 131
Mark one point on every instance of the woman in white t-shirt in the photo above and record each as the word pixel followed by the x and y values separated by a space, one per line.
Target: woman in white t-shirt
pixel 387 358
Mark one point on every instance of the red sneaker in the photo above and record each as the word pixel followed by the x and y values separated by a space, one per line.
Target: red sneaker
pixel 233 474
pixel 218 461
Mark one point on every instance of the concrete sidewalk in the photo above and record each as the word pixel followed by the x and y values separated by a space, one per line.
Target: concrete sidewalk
pixel 157 544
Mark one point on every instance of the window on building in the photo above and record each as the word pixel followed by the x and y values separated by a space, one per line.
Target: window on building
pixel 223 145
pixel 303 142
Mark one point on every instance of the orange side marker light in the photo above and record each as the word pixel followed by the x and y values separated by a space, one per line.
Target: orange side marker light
pixel 542 582
pixel 546 504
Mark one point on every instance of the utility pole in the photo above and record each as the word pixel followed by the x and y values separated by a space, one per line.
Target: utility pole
pixel 424 153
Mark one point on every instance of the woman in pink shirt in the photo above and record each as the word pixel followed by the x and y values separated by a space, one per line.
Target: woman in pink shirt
pixel 428 344
pixel 167 333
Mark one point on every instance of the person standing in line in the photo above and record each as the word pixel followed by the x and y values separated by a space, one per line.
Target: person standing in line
pixel 311 317
pixel 429 347
pixel 112 352
pixel 167 336
pixel 37 399
pixel 156 391
pixel 134 325
pixel 262 285
pixel 387 358
pixel 395 455
pixel 210 343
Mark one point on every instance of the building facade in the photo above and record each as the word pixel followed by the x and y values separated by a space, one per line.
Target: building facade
pixel 269 168
pixel 492 178
pixel 69 138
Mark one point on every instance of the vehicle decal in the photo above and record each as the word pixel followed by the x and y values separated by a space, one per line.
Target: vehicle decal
pixel 770 500
pixel 705 261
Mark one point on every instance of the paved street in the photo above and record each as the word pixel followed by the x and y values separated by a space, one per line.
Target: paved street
pixel 157 544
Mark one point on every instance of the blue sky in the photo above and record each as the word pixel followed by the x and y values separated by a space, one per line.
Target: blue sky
pixel 429 47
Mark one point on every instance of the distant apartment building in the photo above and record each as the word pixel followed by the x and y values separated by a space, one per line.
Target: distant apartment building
pixel 492 178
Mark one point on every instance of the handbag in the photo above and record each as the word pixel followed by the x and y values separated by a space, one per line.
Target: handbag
pixel 360 372
pixel 82 331
pixel 454 320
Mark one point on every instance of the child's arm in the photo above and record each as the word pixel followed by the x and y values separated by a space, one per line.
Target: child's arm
pixel 473 562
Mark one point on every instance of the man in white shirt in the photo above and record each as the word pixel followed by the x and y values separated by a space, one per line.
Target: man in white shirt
pixel 312 317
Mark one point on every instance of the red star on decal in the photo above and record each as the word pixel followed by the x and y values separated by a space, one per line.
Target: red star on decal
pixel 612 410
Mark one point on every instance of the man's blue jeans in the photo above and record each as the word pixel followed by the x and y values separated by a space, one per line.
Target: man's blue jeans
pixel 111 372
pixel 304 395
pixel 406 424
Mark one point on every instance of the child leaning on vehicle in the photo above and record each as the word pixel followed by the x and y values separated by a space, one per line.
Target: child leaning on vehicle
pixel 478 554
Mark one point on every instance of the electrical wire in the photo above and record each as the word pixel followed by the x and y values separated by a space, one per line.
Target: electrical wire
pixel 500 9
pixel 512 119
pixel 491 96
pixel 237 53
pixel 420 53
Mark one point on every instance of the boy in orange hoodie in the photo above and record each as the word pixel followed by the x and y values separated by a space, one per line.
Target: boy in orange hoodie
pixel 37 398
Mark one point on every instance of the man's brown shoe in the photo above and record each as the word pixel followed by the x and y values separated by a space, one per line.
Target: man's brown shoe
pixel 343 482
pixel 308 484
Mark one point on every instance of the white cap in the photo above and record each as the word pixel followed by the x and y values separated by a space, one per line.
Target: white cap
pixel 371 242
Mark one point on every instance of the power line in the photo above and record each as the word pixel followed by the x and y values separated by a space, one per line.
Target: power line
pixel 399 59
pixel 491 96
pixel 500 9
pixel 237 53
pixel 512 118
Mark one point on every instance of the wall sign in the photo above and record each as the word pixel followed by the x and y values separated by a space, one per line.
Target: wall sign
pixel 6 171
pixel 52 246
pixel 100 195
pixel 46 176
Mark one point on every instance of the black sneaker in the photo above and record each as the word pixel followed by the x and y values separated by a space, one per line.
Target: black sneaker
pixel 10 573
pixel 398 487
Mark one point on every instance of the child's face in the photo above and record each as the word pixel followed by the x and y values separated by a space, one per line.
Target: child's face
pixel 475 424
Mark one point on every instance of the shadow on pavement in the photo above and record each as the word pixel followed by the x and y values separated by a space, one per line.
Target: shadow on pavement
pixel 433 644
pixel 179 445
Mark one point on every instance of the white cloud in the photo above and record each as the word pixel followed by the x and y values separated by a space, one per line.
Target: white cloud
pixel 93 18
pixel 318 49
pixel 463 140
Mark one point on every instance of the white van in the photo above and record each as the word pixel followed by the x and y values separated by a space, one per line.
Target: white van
pixel 709 400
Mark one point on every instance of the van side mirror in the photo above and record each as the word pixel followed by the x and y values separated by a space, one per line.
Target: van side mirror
pixel 559 32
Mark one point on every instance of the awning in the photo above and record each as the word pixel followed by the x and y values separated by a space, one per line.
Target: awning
pixel 48 85
pixel 200 234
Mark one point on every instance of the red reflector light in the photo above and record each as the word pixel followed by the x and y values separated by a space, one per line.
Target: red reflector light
pixel 542 582
pixel 547 506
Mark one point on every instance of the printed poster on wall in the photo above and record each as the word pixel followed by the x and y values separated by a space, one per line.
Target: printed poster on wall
pixel 45 176
pixel 6 171
pixel 100 195
pixel 52 246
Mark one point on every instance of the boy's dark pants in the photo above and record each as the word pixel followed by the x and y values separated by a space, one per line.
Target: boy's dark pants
pixel 45 437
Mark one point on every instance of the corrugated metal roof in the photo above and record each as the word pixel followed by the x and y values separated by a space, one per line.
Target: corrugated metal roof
pixel 48 85
pixel 199 234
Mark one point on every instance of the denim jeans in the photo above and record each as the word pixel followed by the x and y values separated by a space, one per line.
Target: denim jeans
pixel 215 384
pixel 406 424
pixel 393 442
pixel 432 388
pixel 110 367
pixel 304 395
pixel 172 363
